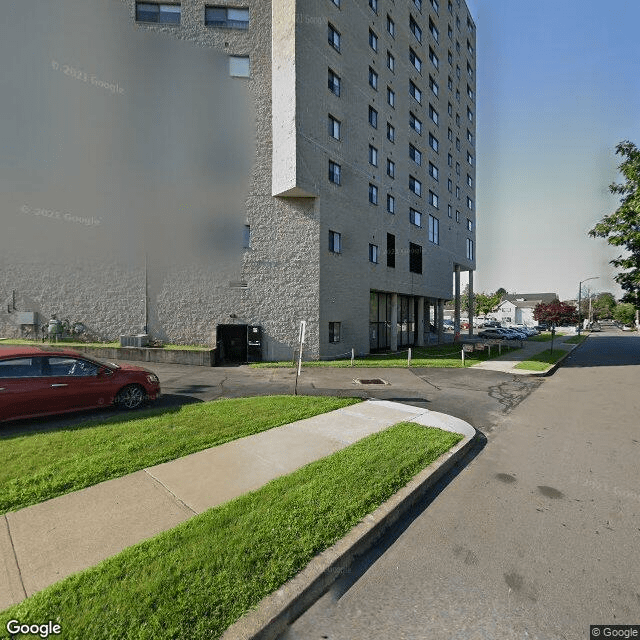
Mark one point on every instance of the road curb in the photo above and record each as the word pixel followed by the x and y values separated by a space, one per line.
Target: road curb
pixel 275 612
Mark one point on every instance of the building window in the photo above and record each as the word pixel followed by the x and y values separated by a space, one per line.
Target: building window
pixel 391 27
pixel 391 97
pixel 373 117
pixel 391 250
pixel 457 96
pixel 469 48
pixel 239 66
pixel 435 5
pixel 449 185
pixel 450 134
pixel 450 109
pixel 373 40
pixel 415 217
pixel 391 203
pixel 470 71
pixel 334 172
pixel 450 33
pixel 334 83
pixel 433 85
pixel 336 2
pixel 415 154
pixel 415 258
pixel 373 253
pixel 373 79
pixel 458 192
pixel 226 17
pixel 415 29
pixel 469 249
pixel 334 37
pixel 457 119
pixel 334 332
pixel 450 160
pixel 433 142
pixel 469 158
pixel 246 237
pixel 415 60
pixel 434 230
pixel 418 4
pixel 391 132
pixel 458 71
pixel 335 243
pixel 433 199
pixel 470 93
pixel 415 123
pixel 391 62
pixel 373 194
pixel 449 211
pixel 457 168
pixel 469 224
pixel 433 171
pixel 469 115
pixel 415 92
pixel 374 5
pixel 433 114
pixel 457 216
pixel 160 13
pixel 391 168
pixel 373 156
pixel 469 203
pixel 469 180
pixel 434 31
pixel 433 57
pixel 334 127
pixel 415 186
pixel 449 57
pixel 450 83
pixel 469 136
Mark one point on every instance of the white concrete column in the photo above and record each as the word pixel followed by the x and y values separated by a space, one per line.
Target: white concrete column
pixel 456 294
pixel 471 301
pixel 439 312
pixel 393 339
pixel 420 323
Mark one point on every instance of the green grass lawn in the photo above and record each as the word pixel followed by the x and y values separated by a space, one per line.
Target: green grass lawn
pixel 197 579
pixel 440 356
pixel 542 361
pixel 44 465
pixel 545 336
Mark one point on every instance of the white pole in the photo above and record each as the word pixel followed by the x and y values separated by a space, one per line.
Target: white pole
pixel 463 356
pixel 353 354
pixel 409 358
pixel 303 327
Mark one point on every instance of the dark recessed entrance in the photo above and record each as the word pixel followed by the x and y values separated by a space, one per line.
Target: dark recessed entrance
pixel 232 342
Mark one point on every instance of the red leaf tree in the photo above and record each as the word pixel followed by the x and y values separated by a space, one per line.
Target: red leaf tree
pixel 558 312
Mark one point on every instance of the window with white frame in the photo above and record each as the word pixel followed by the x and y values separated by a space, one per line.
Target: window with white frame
pixel 469 158
pixel 373 40
pixel 415 217
pixel 433 114
pixel 433 142
pixel 415 60
pixel 159 13
pixel 227 17
pixel 469 137
pixel 374 5
pixel 391 97
pixel 449 185
pixel 391 132
pixel 373 194
pixel 391 203
pixel 334 332
pixel 333 37
pixel 418 4
pixel 415 29
pixel 433 199
pixel 457 216
pixel 449 160
pixel 434 230
pixel 414 92
pixel 373 79
pixel 458 192
pixel 373 156
pixel 373 117
pixel 415 154
pixel 433 171
pixel 469 180
pixel 391 26
pixel 433 85
pixel 373 253
pixel 391 62
pixel 334 172
pixel 415 123
pixel 469 115
pixel 335 242
pixel 434 32
pixel 239 66
pixel 449 211
pixel 434 58
pixel 469 224
pixel 246 237
pixel 469 249
pixel 435 5
pixel 469 203
pixel 391 168
pixel 334 83
pixel 415 186
pixel 334 127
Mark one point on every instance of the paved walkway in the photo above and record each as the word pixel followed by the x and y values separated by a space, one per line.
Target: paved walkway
pixel 44 543
pixel 508 361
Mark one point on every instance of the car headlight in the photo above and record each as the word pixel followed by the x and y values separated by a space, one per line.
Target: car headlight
pixel 152 378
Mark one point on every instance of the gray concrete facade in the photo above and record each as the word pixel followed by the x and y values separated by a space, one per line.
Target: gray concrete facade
pixel 290 273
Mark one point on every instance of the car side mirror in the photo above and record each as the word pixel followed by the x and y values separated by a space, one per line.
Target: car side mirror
pixel 104 371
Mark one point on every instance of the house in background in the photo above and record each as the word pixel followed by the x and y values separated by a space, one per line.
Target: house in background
pixel 518 308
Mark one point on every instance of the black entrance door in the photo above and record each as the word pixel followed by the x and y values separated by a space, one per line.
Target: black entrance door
pixel 232 342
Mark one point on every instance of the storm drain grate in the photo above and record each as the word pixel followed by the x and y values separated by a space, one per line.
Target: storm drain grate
pixel 370 381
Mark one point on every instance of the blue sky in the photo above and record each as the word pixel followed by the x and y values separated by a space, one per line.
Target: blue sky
pixel 558 88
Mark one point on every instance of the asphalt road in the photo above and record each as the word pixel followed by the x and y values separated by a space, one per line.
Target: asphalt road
pixel 537 537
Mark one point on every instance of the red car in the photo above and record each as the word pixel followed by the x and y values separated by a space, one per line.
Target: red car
pixel 38 381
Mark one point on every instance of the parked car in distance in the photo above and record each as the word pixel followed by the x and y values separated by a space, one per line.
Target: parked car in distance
pixel 38 381
pixel 491 334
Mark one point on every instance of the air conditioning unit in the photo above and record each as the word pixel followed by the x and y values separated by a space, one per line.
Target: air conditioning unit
pixel 141 340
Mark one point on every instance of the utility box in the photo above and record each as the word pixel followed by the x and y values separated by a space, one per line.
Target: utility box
pixel 26 317
pixel 254 344
pixel 141 340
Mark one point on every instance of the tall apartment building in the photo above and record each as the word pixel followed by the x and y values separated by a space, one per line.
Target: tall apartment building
pixel 361 209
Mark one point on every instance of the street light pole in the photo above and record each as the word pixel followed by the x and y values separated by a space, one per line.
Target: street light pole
pixel 580 300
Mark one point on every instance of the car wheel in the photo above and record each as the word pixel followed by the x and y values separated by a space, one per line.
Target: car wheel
pixel 131 397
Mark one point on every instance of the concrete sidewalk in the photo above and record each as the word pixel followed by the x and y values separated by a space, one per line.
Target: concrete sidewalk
pixel 44 543
pixel 508 361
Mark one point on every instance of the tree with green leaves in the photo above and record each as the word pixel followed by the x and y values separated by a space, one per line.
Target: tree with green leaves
pixel 624 313
pixel 602 306
pixel 622 227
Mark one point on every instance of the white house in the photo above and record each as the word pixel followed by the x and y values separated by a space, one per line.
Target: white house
pixel 518 308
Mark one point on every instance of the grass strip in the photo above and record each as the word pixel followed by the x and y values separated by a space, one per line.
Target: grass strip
pixel 576 339
pixel 542 361
pixel 197 579
pixel 40 466
pixel 438 357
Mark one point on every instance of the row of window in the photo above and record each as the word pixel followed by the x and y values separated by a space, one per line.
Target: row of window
pixel 214 16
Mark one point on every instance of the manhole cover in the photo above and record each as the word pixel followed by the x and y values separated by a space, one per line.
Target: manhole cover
pixel 370 381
